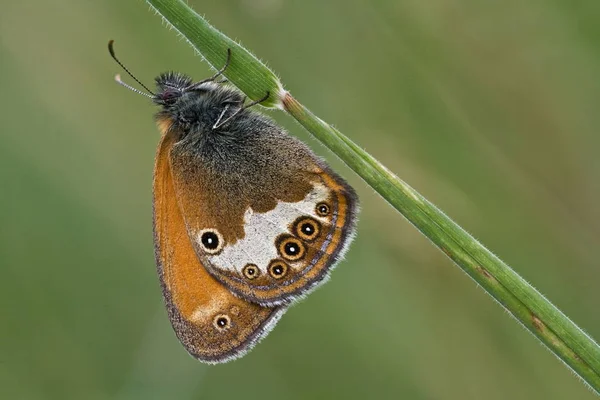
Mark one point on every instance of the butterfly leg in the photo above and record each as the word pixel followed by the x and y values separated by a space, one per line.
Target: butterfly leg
pixel 220 123
pixel 216 125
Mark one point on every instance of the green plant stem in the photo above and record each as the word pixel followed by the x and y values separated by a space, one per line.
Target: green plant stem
pixel 555 330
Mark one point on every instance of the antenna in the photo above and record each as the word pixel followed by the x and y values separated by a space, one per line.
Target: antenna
pixel 118 77
pixel 120 82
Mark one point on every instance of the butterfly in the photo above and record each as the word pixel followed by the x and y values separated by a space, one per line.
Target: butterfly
pixel 247 219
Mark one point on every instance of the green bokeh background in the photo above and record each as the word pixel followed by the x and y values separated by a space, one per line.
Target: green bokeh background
pixel 490 109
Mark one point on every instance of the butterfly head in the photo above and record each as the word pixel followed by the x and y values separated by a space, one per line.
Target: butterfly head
pixel 171 87
pixel 186 106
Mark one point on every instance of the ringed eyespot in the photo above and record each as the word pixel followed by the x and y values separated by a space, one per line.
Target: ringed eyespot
pixel 211 241
pixel 290 248
pixel 251 271
pixel 307 228
pixel 278 269
pixel 222 322
pixel 323 209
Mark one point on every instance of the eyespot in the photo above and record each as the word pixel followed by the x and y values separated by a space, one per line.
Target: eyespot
pixel 222 322
pixel 251 271
pixel 278 269
pixel 290 248
pixel 307 228
pixel 323 209
pixel 211 241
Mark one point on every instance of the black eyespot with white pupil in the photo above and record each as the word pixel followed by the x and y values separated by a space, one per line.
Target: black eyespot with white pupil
pixel 307 228
pixel 290 248
pixel 323 209
pixel 278 269
pixel 211 241
pixel 222 322
pixel 250 271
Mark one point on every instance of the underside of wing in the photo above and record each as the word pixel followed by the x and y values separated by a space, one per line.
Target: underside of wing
pixel 212 324
pixel 273 236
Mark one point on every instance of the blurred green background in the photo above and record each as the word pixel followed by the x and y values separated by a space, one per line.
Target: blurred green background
pixel 490 109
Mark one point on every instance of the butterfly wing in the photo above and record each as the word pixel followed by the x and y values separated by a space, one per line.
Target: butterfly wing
pixel 212 324
pixel 266 216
